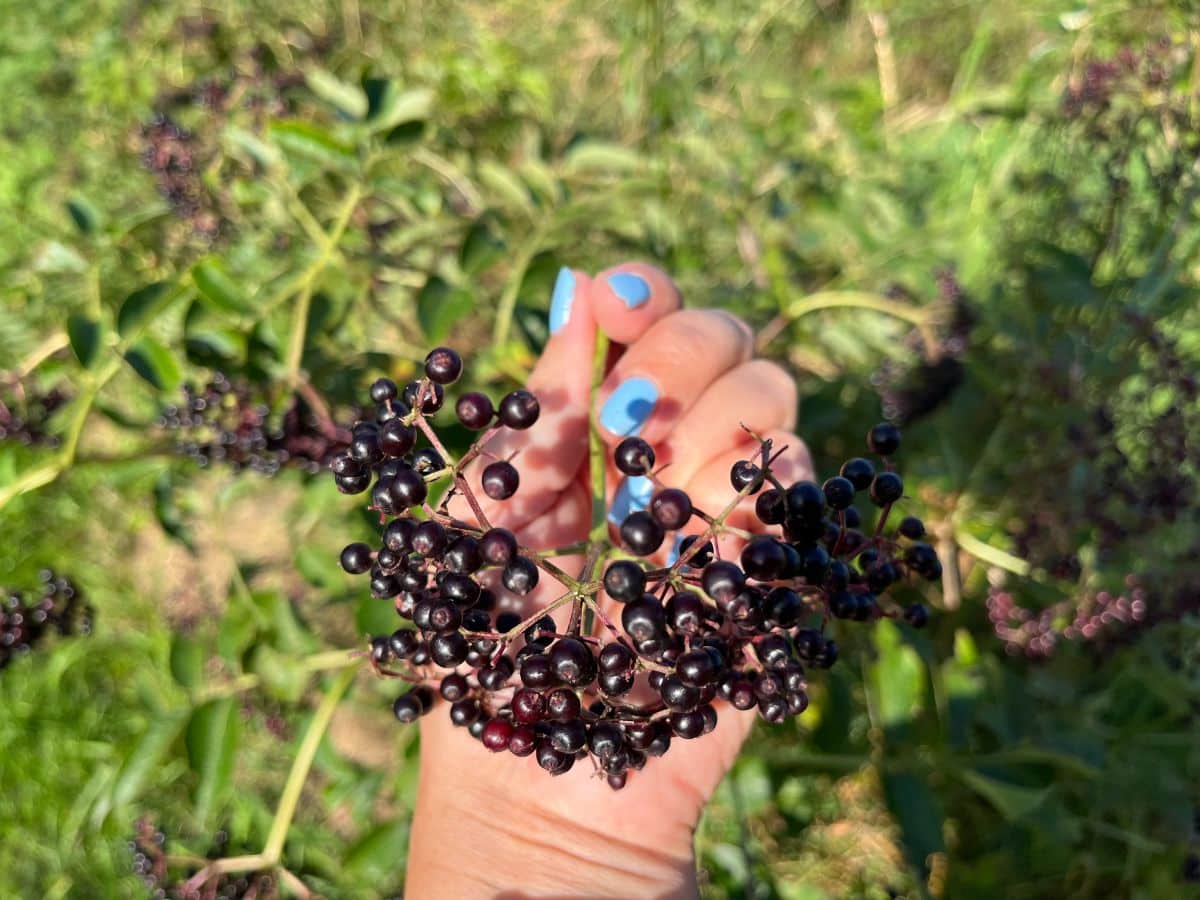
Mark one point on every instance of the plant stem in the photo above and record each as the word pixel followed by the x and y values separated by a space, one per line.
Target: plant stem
pixel 286 811
pixel 863 300
pixel 309 278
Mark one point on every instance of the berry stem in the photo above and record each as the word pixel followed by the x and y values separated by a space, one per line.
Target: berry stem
pixel 597 452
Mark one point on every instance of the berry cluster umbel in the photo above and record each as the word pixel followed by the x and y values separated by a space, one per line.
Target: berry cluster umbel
pixel 25 413
pixel 225 423
pixel 165 878
pixel 27 621
pixel 693 631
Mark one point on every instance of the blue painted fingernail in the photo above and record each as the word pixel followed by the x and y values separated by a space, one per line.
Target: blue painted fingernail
pixel 629 406
pixel 561 300
pixel 634 493
pixel 632 289
pixel 674 554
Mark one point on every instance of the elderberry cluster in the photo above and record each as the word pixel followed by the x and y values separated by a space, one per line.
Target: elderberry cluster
pixel 226 423
pixel 25 414
pixel 693 628
pixel 165 879
pixel 26 621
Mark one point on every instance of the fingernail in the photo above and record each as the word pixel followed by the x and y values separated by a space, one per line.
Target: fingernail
pixel 634 493
pixel 561 300
pixel 674 554
pixel 632 289
pixel 629 406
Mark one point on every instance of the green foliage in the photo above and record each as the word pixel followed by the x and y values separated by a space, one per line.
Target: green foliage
pixel 308 200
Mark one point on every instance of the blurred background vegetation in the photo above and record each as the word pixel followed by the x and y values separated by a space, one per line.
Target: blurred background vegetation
pixel 978 219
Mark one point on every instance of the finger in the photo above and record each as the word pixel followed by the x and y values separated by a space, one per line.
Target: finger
pixel 549 454
pixel 711 490
pixel 758 395
pixel 663 373
pixel 627 299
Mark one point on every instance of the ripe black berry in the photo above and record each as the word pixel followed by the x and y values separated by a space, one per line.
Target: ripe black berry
pixel 671 508
pixel 685 612
pixel 884 439
pixel 568 736
pixel 443 365
pixel 498 546
pixel 553 761
pixel 562 705
pixel 427 461
pixel 641 534
pixel 496 734
pixel 886 488
pixel 839 492
pixel 518 410
pixel 520 576
pixel 912 528
pixel 701 557
pixel 500 480
pixel 408 707
pixel 615 658
pixel 763 559
pixel 644 619
pixel 356 558
pixel 453 687
pixel 522 741
pixel 859 472
pixel 697 668
pixel 396 438
pixel 464 712
pixel 625 581
pixel 408 489
pixel 383 390
pixel 687 725
pixel 573 662
pixel 429 539
pixel 721 580
pixel 746 476
pixel 474 410
pixel 634 456
pixel 769 507
pixel 434 396
pixel 916 615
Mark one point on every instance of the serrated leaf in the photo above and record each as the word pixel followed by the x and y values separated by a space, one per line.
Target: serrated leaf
pixel 505 186
pixel 84 335
pixel 440 306
pixel 145 757
pixel 392 106
pixel 919 815
pixel 897 678
pixel 218 288
pixel 599 157
pixel 84 215
pixel 312 141
pixel 155 363
pixel 187 660
pixel 141 306
pixel 347 99
pixel 212 741
pixel 1013 801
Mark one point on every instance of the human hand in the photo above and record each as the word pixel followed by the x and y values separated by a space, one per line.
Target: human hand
pixel 494 825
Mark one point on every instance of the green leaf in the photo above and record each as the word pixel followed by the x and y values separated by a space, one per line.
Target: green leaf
pixel 919 815
pixel 155 363
pixel 347 99
pixel 218 288
pixel 238 629
pixel 897 678
pixel 166 510
pixel 480 249
pixel 599 157
pixel 282 676
pixel 1013 801
pixel 259 151
pixel 505 186
pixel 84 215
pixel 439 306
pixel 212 741
pixel 312 141
pixel 141 306
pixel 378 853
pixel 391 106
pixel 144 758
pixel 56 258
pixel 319 567
pixel 84 335
pixel 187 660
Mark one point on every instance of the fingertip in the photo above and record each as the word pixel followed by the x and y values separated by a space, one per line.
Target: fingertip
pixel 629 298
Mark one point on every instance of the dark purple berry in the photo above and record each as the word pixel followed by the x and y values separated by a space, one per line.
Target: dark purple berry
pixel 671 508
pixel 518 410
pixel 443 365
pixel 884 439
pixel 474 410
pixel 640 534
pixel 634 456
pixel 520 576
pixel 858 472
pixel 625 581
pixel 383 390
pixel 356 558
pixel 839 492
pixel 498 546
pixel 500 480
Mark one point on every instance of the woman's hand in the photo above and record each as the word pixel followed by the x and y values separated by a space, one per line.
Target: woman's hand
pixel 494 825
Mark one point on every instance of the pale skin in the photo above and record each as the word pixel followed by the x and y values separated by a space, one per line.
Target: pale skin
pixel 492 825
